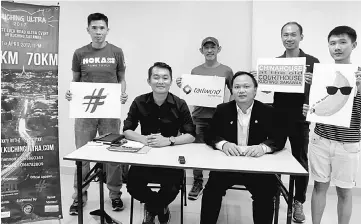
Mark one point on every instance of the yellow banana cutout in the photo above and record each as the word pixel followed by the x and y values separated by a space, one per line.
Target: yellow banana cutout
pixel 331 104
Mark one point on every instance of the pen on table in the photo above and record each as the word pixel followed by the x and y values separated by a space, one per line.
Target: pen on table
pixel 95 143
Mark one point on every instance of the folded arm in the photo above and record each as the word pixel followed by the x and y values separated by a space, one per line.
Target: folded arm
pixel 131 123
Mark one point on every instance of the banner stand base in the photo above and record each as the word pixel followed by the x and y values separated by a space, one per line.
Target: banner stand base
pixel 107 218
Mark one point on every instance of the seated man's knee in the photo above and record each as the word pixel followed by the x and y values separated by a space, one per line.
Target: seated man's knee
pixel 266 194
pixel 134 181
pixel 214 190
pixel 171 187
pixel 133 188
pixel 266 197
pixel 130 187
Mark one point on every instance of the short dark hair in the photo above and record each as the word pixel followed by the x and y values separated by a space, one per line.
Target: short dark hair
pixel 339 30
pixel 293 23
pixel 97 16
pixel 244 73
pixel 160 65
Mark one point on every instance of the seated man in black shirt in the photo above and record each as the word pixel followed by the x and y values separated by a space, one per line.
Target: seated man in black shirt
pixel 162 116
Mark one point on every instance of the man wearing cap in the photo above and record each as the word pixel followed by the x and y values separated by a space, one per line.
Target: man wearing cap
pixel 202 115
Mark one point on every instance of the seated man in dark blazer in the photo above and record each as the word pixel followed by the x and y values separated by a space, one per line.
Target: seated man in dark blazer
pixel 242 127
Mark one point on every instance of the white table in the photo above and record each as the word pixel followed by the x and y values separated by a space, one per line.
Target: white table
pixel 197 156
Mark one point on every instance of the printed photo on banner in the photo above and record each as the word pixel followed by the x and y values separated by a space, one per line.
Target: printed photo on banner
pixel 332 92
pixel 95 100
pixel 30 174
pixel 204 91
pixel 281 74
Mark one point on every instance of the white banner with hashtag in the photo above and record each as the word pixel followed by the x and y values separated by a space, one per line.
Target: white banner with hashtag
pixel 95 100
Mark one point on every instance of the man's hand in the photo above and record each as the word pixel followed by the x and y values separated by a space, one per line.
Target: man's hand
pixel 179 82
pixel 143 139
pixel 157 140
pixel 68 95
pixel 231 149
pixel 305 109
pixel 266 92
pixel 254 73
pixel 308 77
pixel 358 79
pixel 254 151
pixel 123 98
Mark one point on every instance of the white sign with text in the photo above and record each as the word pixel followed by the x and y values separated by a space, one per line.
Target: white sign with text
pixel 281 74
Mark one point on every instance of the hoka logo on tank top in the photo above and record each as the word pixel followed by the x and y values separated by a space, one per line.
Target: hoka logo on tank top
pixel 99 61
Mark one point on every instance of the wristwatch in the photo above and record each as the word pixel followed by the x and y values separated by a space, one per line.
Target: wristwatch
pixel 172 140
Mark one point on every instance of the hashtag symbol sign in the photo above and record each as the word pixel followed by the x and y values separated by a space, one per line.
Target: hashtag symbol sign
pixel 40 186
pixel 95 100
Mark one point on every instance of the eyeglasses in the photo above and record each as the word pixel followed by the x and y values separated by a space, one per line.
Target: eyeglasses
pixel 332 90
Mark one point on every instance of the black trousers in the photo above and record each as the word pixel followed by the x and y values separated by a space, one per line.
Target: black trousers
pixel 263 188
pixel 170 181
pixel 298 134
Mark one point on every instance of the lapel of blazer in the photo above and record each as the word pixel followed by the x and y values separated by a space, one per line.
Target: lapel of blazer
pixel 232 121
pixel 253 123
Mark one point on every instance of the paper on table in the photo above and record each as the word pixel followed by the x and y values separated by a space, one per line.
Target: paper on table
pixel 133 144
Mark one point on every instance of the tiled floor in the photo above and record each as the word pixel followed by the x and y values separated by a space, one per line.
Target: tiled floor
pixel 236 208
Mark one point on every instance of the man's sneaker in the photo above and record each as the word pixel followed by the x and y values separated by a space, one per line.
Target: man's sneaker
pixel 148 216
pixel 165 217
pixel 298 215
pixel 117 204
pixel 74 207
pixel 196 190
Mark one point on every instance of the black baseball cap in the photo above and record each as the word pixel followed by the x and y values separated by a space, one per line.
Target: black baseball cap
pixel 210 40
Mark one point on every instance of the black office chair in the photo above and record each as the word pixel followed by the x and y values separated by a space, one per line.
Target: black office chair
pixel 183 197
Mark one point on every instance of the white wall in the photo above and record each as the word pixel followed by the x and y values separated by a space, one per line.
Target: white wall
pixel 246 31
pixel 317 20
pixel 148 32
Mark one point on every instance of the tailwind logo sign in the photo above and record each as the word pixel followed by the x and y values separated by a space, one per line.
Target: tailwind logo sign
pixel 187 89
pixel 96 99
pixel 202 90
pixel 210 92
